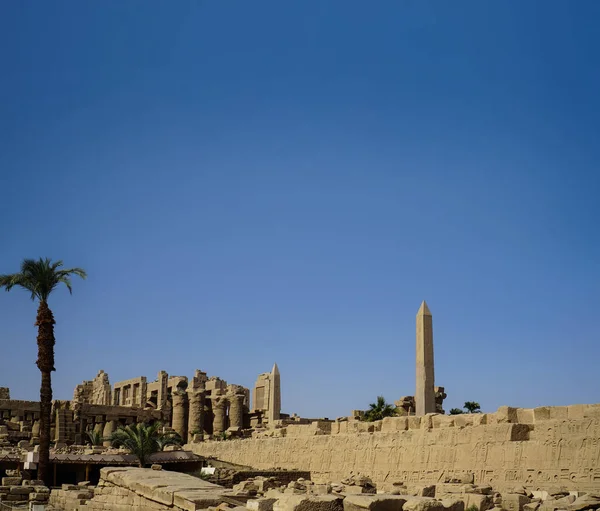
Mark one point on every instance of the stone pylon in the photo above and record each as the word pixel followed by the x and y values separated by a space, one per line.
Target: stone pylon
pixel 424 392
pixel 275 395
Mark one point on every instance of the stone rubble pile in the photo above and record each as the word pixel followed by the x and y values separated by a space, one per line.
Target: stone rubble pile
pixel 138 489
pixel 15 491
pixel 358 493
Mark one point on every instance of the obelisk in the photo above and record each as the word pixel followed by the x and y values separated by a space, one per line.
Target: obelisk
pixel 424 393
pixel 274 396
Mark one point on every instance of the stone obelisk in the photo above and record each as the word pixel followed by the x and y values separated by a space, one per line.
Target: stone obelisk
pixel 274 396
pixel 424 393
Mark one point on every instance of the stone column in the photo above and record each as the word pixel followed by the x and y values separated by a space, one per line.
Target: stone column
pixel 35 432
pixel 236 410
pixel 163 382
pixel 424 394
pixel 60 426
pixel 99 425
pixel 219 406
pixel 109 429
pixel 197 400
pixel 180 413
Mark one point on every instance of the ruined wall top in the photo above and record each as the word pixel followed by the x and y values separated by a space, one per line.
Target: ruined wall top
pixel 4 393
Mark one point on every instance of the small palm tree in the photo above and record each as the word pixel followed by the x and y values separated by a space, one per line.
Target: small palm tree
pixel 455 411
pixel 472 407
pixel 95 438
pixel 379 410
pixel 142 440
pixel 166 439
pixel 40 278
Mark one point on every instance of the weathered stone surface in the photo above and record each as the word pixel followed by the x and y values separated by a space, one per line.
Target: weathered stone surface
pixel 590 501
pixel 481 502
pixel 423 504
pixel 11 481
pixel 514 501
pixel 151 489
pixel 379 502
pixel 552 504
pixel 492 452
pixel 453 504
pixel 264 504
pixel 309 503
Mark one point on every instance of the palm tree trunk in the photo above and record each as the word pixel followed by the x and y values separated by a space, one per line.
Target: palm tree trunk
pixel 45 362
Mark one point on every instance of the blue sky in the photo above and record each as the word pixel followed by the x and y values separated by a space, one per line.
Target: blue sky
pixel 259 182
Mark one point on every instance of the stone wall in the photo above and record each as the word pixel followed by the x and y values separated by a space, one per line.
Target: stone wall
pixel 541 447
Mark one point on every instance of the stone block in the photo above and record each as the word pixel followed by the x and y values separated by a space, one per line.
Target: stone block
pixel 481 502
pixel 453 504
pixel 442 489
pixel 195 499
pixel 309 503
pixel 442 421
pixel 423 504
pixel 320 489
pixel 21 490
pixel 585 502
pixel 539 494
pixel 11 481
pixel 421 490
pixel 514 501
pixel 392 424
pixel 532 506
pixel 379 502
pixel 413 422
pixel 265 504
pixel 506 414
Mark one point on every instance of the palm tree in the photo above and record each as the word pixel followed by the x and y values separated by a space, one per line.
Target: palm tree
pixel 166 439
pixel 142 440
pixel 472 407
pixel 95 438
pixel 379 410
pixel 40 278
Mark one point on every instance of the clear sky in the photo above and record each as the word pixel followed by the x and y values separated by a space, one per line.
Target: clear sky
pixel 258 182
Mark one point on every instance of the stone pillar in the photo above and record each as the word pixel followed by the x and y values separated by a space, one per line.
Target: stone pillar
pixel 424 394
pixel 197 399
pixel 109 429
pixel 180 413
pixel 35 432
pixel 60 425
pixel 99 425
pixel 274 396
pixel 236 410
pixel 163 383
pixel 219 406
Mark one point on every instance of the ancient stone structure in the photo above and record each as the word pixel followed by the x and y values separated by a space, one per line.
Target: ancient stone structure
pixel 424 391
pixel 96 391
pixel 540 447
pixel 266 399
pixel 207 406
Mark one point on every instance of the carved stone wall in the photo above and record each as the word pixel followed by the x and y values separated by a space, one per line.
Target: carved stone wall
pixel 538 448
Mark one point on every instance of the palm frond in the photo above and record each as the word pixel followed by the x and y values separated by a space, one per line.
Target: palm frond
pixel 40 277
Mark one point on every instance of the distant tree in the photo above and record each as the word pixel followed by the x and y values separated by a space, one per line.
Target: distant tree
pixel 472 407
pixel 379 410
pixel 41 277
pixel 455 411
